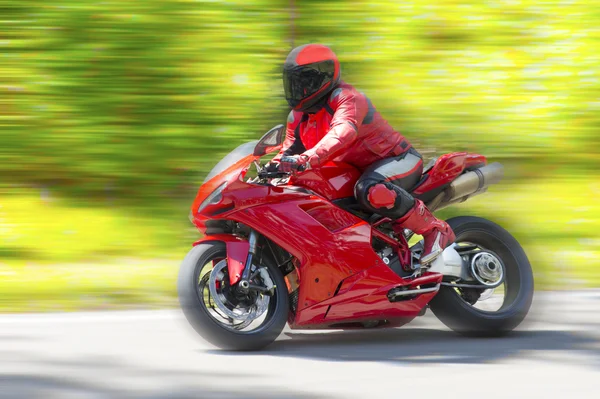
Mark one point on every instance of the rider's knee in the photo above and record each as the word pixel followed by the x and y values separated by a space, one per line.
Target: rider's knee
pixel 375 194
pixel 383 197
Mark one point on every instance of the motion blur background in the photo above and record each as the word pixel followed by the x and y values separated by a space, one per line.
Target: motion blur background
pixel 112 113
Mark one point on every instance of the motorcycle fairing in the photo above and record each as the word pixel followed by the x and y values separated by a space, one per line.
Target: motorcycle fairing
pixel 338 269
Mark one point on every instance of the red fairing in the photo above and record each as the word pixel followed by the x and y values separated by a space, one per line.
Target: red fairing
pixel 363 297
pixel 328 254
pixel 475 160
pixel 447 168
pixel 332 181
pixel 232 176
pixel 323 255
pixel 330 217
pixel 237 252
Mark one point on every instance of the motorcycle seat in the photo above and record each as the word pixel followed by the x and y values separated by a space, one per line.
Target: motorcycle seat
pixel 430 165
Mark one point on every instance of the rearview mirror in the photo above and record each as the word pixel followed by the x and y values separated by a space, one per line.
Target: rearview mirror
pixel 270 142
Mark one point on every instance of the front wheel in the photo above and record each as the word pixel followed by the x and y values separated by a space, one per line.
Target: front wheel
pixel 221 314
pixel 496 260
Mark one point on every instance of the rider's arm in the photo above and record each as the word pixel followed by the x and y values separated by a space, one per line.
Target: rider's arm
pixel 292 144
pixel 350 108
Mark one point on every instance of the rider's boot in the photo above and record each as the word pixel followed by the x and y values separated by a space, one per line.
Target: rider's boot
pixel 437 234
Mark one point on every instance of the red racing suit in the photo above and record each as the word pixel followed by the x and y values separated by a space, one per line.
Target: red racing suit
pixel 347 129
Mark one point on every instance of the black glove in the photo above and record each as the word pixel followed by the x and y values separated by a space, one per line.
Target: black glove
pixel 293 163
pixel 272 167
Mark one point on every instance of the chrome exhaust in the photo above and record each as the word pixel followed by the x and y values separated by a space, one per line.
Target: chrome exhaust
pixel 475 181
pixel 469 185
pixel 417 291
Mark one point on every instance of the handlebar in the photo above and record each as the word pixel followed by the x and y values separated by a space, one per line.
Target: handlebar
pixel 275 174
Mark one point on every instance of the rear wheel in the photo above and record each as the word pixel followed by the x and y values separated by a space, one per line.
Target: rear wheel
pixel 220 313
pixel 498 263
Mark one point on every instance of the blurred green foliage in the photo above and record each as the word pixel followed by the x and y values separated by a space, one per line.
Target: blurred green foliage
pixel 117 109
pixel 131 98
pixel 137 99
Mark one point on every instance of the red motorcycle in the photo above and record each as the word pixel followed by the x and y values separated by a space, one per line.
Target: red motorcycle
pixel 280 249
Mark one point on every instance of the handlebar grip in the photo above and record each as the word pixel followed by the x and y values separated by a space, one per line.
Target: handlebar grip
pixel 271 167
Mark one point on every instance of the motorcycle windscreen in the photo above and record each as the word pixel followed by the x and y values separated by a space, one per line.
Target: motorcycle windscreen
pixel 234 156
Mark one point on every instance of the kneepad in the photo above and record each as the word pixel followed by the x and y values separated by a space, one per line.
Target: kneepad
pixel 383 198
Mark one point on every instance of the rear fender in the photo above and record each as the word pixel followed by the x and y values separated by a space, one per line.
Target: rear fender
pixel 237 253
pixel 447 168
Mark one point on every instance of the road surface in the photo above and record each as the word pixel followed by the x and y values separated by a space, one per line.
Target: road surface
pixel 154 354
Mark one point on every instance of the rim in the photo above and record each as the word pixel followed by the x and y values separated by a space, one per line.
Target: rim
pixel 487 268
pixel 240 313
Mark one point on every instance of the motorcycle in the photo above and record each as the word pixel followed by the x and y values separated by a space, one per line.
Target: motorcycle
pixel 298 249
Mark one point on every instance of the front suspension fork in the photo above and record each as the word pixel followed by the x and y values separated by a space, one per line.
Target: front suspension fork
pixel 244 283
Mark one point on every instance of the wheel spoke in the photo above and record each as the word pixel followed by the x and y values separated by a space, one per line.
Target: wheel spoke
pixel 231 309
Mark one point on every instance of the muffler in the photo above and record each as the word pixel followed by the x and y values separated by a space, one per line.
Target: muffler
pixel 470 184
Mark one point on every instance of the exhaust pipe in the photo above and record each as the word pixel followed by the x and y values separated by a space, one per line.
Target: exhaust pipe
pixel 470 184
pixel 417 291
pixel 475 181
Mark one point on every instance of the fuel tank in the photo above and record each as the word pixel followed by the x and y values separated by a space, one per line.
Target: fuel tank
pixel 332 180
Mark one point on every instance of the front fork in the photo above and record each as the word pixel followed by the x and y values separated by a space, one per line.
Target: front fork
pixel 244 283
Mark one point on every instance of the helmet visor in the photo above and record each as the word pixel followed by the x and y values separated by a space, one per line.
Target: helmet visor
pixel 301 82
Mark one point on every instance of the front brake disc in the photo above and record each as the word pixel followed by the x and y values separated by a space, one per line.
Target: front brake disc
pixel 244 315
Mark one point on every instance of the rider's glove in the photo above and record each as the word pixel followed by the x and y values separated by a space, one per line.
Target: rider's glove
pixel 293 163
pixel 272 167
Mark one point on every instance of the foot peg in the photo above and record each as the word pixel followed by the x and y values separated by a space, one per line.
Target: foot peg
pixel 427 259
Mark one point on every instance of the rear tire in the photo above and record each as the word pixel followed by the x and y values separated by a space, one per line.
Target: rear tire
pixel 205 325
pixel 462 317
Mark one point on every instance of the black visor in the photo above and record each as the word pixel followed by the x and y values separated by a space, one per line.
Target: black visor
pixel 303 81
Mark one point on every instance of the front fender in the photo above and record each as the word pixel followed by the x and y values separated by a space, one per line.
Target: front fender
pixel 237 253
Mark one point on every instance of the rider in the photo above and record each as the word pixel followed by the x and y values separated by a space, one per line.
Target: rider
pixel 331 120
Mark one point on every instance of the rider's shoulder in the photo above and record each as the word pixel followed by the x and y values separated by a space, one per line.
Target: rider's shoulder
pixel 343 91
pixel 294 117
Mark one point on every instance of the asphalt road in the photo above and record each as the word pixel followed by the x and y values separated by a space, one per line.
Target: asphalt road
pixel 555 354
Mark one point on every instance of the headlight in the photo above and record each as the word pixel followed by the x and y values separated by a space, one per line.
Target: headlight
pixel 213 198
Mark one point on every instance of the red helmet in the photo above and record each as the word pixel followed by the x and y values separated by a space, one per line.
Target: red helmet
pixel 310 72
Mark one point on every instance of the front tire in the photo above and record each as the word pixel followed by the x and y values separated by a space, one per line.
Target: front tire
pixel 205 324
pixel 461 316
